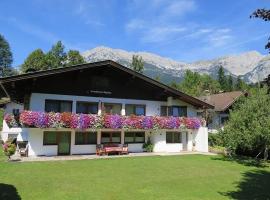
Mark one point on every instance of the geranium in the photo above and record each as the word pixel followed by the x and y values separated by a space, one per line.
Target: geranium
pixel 112 121
pixel 84 121
pixel 133 121
pixel 10 120
pixel 29 118
pixel 147 123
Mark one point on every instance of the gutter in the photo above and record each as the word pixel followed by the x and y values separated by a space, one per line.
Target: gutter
pixel 4 89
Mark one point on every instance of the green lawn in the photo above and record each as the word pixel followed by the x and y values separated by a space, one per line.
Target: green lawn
pixel 171 177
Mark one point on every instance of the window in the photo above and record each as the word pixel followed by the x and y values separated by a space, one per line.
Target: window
pixel 112 108
pixel 85 138
pixel 224 119
pixel 110 137
pixel 163 110
pixel 134 137
pixel 49 138
pixel 176 111
pixel 173 137
pixel 58 106
pixel 87 108
pixel 135 109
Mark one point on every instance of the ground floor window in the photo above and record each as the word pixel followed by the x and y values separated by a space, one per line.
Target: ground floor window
pixel 173 137
pixel 83 137
pixel 49 138
pixel 134 137
pixel 110 137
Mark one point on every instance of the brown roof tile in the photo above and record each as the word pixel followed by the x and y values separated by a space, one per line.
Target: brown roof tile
pixel 222 101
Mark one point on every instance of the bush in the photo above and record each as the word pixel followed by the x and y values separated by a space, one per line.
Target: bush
pixel 9 148
pixel 218 150
pixel 148 146
pixel 215 139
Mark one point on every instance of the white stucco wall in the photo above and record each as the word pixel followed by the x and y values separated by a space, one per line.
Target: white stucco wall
pixel 37 103
pixel 10 106
pixel 201 139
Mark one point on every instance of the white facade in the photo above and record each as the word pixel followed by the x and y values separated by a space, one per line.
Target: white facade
pixel 190 140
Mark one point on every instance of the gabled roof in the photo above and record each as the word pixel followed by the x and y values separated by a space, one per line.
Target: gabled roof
pixel 223 101
pixel 34 75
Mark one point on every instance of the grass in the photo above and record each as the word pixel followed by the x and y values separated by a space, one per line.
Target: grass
pixel 171 177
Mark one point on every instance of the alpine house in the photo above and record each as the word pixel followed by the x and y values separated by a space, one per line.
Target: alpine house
pixel 68 111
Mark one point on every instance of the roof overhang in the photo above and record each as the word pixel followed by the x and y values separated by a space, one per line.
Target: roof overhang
pixel 35 75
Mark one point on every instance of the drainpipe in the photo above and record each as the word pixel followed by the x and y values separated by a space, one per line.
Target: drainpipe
pixel 4 89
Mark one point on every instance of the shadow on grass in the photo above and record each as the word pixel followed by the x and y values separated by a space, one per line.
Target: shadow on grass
pixel 243 161
pixel 8 192
pixel 253 186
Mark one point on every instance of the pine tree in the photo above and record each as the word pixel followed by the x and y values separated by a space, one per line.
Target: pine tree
pixel 34 62
pixel 222 79
pixel 6 58
pixel 74 58
pixel 230 85
pixel 137 63
pixel 56 57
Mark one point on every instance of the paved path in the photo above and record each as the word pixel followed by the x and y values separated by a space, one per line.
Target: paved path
pixel 86 157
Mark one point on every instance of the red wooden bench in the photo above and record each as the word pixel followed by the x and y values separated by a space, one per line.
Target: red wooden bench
pixel 112 148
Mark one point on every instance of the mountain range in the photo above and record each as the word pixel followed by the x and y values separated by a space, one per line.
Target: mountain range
pixel 250 66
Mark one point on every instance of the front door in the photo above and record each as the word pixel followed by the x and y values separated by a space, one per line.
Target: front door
pixel 185 140
pixel 64 143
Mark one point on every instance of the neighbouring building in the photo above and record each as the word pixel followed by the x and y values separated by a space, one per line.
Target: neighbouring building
pixel 222 102
pixel 67 111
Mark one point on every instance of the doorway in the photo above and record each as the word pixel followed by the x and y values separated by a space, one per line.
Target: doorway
pixel 64 143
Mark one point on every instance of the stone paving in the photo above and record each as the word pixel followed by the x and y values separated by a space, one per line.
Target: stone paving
pixel 87 157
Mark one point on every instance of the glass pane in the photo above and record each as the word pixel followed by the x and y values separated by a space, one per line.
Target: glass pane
pixel 183 111
pixel 169 137
pixel 163 111
pixel 105 137
pixel 81 108
pixel 129 109
pixel 49 138
pixel 139 137
pixel 65 106
pixel 140 110
pixel 176 138
pixel 79 138
pixel 116 137
pixel 129 137
pixel 91 138
pixel 175 111
pixel 93 109
pixel 113 108
pixel 51 106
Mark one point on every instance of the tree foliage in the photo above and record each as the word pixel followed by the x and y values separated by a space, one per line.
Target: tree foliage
pixel 34 62
pixel 264 14
pixel 222 79
pixel 54 58
pixel 6 58
pixel 248 129
pixel 196 84
pixel 137 63
pixel 74 58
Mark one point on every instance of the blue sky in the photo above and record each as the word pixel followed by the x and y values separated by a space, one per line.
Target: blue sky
pixel 185 30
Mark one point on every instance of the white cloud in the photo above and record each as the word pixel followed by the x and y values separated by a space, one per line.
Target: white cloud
pixel 88 13
pixel 161 33
pixel 156 20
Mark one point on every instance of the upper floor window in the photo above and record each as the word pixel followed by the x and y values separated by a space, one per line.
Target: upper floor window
pixel 112 108
pixel 176 111
pixel 87 107
pixel 135 109
pixel 58 106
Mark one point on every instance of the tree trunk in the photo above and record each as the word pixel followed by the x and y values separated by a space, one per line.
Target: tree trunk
pixel 266 150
